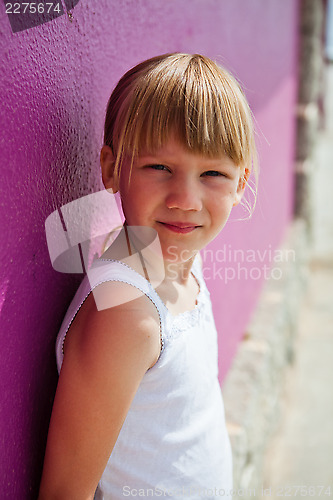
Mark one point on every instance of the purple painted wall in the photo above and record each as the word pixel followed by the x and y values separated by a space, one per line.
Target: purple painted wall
pixel 55 80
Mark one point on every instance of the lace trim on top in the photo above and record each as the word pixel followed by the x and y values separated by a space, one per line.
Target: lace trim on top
pixel 176 324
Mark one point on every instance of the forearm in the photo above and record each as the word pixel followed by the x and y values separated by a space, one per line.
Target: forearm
pixel 61 492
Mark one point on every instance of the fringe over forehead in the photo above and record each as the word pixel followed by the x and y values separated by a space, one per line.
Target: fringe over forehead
pixel 187 96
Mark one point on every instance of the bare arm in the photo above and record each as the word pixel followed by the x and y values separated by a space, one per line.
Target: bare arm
pixel 106 355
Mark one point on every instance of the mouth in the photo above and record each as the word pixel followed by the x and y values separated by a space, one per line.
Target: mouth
pixel 179 227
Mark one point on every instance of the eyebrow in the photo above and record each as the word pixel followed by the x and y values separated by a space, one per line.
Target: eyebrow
pixel 169 156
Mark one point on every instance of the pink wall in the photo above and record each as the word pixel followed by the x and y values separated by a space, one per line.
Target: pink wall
pixel 55 80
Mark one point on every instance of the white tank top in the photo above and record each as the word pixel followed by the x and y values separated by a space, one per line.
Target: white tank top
pixel 174 442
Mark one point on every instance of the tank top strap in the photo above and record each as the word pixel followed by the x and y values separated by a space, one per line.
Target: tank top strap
pixel 197 271
pixel 114 270
pixel 102 271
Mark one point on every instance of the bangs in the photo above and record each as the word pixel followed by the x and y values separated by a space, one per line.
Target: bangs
pixel 185 96
pixel 199 108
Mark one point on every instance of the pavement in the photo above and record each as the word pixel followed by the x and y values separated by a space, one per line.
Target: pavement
pixel 299 461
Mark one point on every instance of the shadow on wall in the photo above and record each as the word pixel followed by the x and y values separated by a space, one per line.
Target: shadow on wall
pixel 48 160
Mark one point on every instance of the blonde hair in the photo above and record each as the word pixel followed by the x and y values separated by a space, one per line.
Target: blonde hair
pixel 187 95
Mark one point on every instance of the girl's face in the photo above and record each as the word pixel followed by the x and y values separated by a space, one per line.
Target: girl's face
pixel 187 198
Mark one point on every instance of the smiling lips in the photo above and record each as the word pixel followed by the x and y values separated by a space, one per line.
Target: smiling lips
pixel 179 227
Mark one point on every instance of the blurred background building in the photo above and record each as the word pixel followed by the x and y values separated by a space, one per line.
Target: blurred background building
pixel 56 75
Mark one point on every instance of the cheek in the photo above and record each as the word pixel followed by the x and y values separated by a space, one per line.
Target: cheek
pixel 222 200
pixel 136 204
pixel 220 211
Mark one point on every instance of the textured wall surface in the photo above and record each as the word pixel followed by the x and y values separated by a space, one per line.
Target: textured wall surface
pixel 55 80
pixel 253 389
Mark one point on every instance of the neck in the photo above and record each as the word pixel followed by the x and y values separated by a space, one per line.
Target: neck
pixel 142 252
pixel 178 271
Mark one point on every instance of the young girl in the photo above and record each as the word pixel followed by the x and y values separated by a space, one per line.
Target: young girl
pixel 138 409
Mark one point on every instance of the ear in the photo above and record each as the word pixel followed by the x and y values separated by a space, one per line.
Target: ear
pixel 243 179
pixel 107 160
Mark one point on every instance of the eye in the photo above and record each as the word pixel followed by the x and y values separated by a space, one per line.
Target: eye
pixel 158 167
pixel 213 173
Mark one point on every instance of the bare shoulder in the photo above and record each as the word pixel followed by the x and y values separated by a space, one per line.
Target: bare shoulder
pixel 115 320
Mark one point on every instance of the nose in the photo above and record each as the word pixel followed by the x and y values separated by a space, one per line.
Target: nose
pixel 184 195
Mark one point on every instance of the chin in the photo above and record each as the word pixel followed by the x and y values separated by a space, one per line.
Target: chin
pixel 176 255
